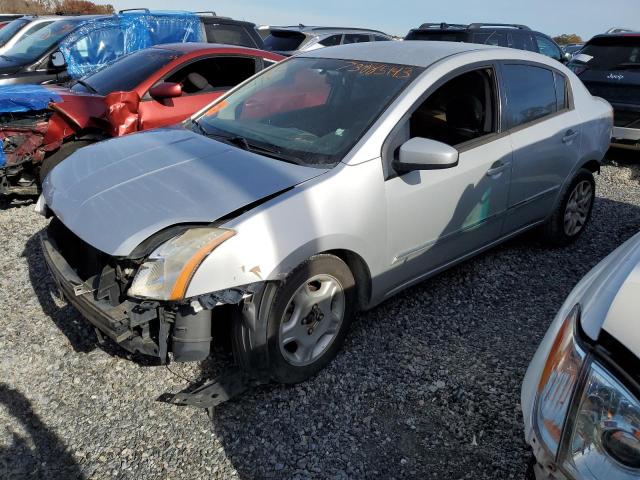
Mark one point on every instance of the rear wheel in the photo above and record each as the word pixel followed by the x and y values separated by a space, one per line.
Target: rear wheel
pixel 309 317
pixel 63 152
pixel 574 211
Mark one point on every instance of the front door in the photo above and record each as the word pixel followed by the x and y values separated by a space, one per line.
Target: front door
pixel 438 216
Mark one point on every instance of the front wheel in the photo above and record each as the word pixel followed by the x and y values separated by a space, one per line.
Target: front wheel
pixel 574 211
pixel 309 317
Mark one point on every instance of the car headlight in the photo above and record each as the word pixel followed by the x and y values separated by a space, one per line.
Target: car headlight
pixel 585 417
pixel 558 381
pixel 605 439
pixel 166 274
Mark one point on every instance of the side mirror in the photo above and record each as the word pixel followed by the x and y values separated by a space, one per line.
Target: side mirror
pixel 166 90
pixel 425 154
pixel 57 59
pixel 566 57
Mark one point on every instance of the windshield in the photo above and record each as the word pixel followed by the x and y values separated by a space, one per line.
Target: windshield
pixel 10 29
pixel 126 73
pixel 309 111
pixel 33 46
pixel 611 53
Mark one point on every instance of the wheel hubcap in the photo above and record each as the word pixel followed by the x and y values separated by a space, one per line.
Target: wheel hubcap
pixel 312 320
pixel 577 210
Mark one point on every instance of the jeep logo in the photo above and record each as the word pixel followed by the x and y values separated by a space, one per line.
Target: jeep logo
pixel 615 76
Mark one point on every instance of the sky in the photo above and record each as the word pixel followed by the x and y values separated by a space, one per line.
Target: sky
pixel 396 17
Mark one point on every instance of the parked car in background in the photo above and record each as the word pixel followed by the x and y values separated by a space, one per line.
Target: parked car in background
pixel 229 31
pixel 8 17
pixel 581 393
pixel 21 28
pixel 72 47
pixel 290 40
pixel 572 48
pixel 609 66
pixel 516 36
pixel 146 89
pixel 390 173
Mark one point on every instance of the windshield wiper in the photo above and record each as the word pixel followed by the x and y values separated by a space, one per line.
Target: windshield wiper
pixel 243 143
pixel 200 128
pixel 87 86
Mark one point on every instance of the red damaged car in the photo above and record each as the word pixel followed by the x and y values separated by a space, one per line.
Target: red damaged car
pixel 147 89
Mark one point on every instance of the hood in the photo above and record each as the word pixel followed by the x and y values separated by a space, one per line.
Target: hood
pixel 612 299
pixel 116 194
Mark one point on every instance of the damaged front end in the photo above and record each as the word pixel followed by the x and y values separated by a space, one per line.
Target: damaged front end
pixel 22 137
pixel 96 284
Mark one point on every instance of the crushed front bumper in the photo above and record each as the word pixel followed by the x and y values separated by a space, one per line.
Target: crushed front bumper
pixel 128 324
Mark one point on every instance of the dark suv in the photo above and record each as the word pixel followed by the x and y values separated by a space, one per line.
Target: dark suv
pixel 499 34
pixel 229 31
pixel 609 66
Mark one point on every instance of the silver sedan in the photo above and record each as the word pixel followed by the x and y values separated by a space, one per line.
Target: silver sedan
pixel 320 187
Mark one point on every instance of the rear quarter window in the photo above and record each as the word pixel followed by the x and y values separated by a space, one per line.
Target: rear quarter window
pixel 284 41
pixel 437 36
pixel 531 93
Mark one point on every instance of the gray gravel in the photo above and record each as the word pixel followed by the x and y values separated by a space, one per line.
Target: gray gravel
pixel 427 386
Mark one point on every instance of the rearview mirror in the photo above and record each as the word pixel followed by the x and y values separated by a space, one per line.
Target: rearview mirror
pixel 425 154
pixel 57 59
pixel 166 90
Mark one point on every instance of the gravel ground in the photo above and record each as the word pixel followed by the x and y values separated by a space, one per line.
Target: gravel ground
pixel 428 384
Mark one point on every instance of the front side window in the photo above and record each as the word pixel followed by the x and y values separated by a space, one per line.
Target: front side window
pixel 211 74
pixel 548 48
pixel 307 111
pixel 34 46
pixel 461 110
pixel 531 93
pixel 127 72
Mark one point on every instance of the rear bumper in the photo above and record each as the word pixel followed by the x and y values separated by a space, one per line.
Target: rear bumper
pixel 628 138
pixel 113 321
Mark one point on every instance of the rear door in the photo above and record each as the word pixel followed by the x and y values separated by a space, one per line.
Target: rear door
pixel 203 80
pixel 610 68
pixel 545 135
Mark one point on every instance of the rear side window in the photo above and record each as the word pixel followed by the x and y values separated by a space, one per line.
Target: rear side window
pixel 499 39
pixel 381 38
pixel 356 38
pixel 284 41
pixel 331 41
pixel 437 36
pixel 548 48
pixel 521 41
pixel 613 54
pixel 531 93
pixel 228 34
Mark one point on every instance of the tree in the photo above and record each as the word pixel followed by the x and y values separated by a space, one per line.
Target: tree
pixel 51 7
pixel 567 38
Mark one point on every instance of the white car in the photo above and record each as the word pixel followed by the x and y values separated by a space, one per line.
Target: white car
pixel 324 185
pixel 581 393
pixel 21 28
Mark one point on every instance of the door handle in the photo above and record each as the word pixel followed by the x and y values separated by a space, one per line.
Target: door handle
pixel 497 168
pixel 569 136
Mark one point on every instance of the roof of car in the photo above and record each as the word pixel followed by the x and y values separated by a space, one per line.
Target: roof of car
pixel 325 30
pixel 189 47
pixel 408 52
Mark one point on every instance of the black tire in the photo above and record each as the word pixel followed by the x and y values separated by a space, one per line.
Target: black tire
pixel 554 232
pixel 62 153
pixel 280 369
